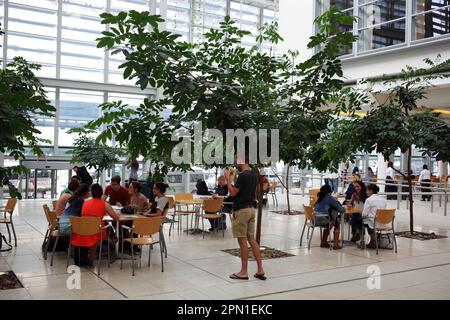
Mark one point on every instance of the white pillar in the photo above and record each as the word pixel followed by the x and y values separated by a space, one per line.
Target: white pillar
pixel 443 168
pixel 381 170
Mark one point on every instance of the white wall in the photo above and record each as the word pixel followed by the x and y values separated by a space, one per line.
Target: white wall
pixel 392 62
pixel 296 19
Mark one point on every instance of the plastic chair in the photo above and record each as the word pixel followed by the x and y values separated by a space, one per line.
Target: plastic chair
pixel 211 210
pixel 144 228
pixel 179 212
pixel 313 196
pixel 385 217
pixel 52 231
pixel 88 226
pixel 9 208
pixel 310 223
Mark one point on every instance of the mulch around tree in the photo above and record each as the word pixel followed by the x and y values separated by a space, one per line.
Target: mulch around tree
pixel 8 280
pixel 266 253
pixel 419 235
pixel 286 213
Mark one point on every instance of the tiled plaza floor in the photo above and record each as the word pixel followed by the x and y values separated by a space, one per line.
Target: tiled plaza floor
pixel 196 268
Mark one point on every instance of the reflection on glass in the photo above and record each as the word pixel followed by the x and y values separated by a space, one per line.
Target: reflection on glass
pixel 426 5
pixel 386 35
pixel 432 24
pixel 381 11
pixel 340 4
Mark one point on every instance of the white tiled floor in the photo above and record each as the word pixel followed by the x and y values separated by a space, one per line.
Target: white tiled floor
pixel 197 268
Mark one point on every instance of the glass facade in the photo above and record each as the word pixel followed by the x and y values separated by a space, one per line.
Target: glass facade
pixel 389 23
pixel 61 36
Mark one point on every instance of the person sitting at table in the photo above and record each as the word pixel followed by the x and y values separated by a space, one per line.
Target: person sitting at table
pixel 161 202
pixel 351 187
pixel 95 207
pixel 118 195
pixel 221 191
pixel 74 209
pixel 357 201
pixel 65 196
pixel 373 202
pixel 330 207
pixel 138 200
pixel 202 188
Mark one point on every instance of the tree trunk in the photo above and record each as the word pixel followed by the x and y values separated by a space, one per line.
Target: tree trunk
pixel 98 175
pixel 287 189
pixel 260 207
pixel 411 200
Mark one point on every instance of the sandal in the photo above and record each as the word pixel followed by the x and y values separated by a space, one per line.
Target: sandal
pixel 236 277
pixel 260 276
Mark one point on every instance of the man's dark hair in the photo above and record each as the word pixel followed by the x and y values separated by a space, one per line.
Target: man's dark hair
pixel 373 187
pixel 116 179
pixel 96 191
pixel 73 185
pixel 425 167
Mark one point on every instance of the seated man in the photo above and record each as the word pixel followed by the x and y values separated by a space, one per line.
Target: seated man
pixel 118 195
pixel 372 204
pixel 221 191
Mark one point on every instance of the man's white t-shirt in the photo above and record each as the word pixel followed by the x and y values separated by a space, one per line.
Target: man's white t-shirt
pixel 372 204
pixel 425 174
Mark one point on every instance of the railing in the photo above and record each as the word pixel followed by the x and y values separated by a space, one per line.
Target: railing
pixel 440 189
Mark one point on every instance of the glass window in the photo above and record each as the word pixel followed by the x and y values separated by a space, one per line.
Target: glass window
pixel 382 36
pixel 427 5
pixel 431 24
pixel 76 109
pixel 379 12
pixel 32 33
pixel 174 178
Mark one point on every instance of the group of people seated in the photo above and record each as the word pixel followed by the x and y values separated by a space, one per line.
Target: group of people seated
pixel 221 190
pixel 81 200
pixel 328 212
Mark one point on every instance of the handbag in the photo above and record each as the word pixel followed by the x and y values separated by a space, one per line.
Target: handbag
pixel 128 210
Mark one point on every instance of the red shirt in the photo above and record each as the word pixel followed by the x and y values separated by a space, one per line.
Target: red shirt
pixel 122 195
pixel 91 208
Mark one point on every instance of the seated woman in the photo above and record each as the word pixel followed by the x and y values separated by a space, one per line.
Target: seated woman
pixel 95 207
pixel 372 204
pixel 328 205
pixel 65 196
pixel 138 200
pixel 202 188
pixel 74 209
pixel 351 187
pixel 161 202
pixel 357 201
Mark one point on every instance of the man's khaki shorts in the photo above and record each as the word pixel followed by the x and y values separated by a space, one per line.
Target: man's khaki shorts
pixel 243 224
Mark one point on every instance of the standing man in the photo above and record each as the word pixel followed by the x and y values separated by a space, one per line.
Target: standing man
pixel 83 174
pixel 243 224
pixel 118 195
pixel 425 182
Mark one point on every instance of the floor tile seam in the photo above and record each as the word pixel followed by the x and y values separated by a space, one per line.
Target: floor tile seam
pixel 343 281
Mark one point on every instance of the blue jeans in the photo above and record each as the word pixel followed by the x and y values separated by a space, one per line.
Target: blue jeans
pixel 333 183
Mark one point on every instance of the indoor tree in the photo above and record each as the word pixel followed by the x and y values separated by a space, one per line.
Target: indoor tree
pixel 93 154
pixel 217 81
pixel 397 123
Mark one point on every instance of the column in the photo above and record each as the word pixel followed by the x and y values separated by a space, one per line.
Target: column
pixel 443 169
pixel 381 170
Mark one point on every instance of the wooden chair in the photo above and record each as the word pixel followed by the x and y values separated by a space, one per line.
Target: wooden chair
pixel 144 228
pixel 52 231
pixel 88 226
pixel 212 209
pixel 272 191
pixel 266 188
pixel 385 217
pixel 171 205
pixel 9 209
pixel 309 222
pixel 313 196
pixel 179 212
